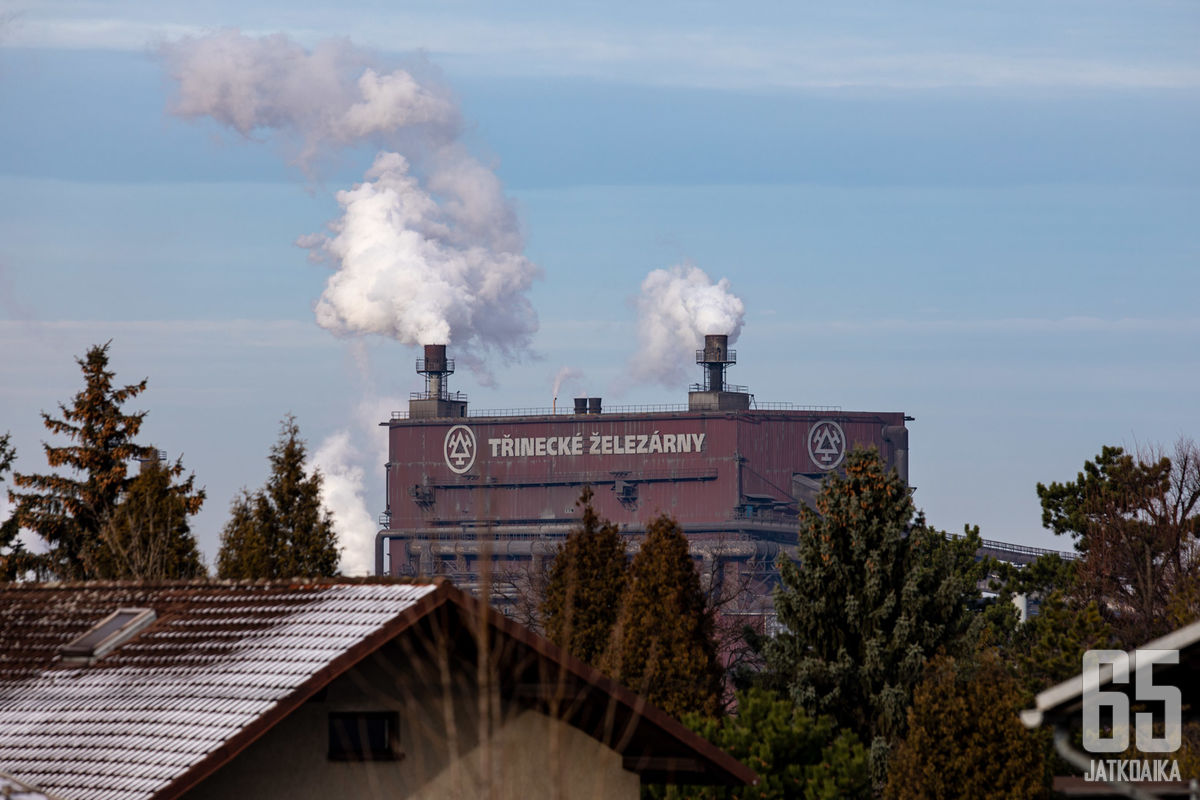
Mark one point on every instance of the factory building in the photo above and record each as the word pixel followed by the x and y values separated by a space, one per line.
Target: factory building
pixel 478 494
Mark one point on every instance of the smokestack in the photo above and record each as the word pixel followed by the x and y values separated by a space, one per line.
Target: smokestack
pixel 436 400
pixel 714 394
pixel 716 348
pixel 435 366
pixel 593 405
pixel 581 405
pixel 715 356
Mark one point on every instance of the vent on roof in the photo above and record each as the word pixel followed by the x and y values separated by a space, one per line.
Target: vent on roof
pixel 107 634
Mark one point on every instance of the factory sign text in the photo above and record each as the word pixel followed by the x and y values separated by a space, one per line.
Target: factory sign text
pixel 596 444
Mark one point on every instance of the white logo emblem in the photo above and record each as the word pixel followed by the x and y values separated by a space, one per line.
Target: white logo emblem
pixel 826 444
pixel 459 449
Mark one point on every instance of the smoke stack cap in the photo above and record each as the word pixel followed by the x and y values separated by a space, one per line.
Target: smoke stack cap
pixel 435 358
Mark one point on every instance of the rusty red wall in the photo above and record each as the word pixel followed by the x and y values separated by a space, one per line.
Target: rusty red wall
pixel 696 466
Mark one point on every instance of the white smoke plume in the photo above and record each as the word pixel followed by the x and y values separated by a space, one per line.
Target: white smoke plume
pixel 676 308
pixel 329 96
pixel 424 272
pixel 566 375
pixel 428 249
pixel 342 493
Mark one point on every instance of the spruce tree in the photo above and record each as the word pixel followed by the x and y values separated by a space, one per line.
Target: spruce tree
pixel 875 593
pixel 282 530
pixel 663 645
pixel 965 738
pixel 69 513
pixel 15 560
pixel 797 756
pixel 587 579
pixel 148 536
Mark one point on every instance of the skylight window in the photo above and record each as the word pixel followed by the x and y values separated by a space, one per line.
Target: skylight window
pixel 109 633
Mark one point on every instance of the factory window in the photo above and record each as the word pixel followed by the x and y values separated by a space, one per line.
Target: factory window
pixel 364 736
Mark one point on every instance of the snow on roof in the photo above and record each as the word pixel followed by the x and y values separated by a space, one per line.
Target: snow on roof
pixel 13 789
pixel 217 658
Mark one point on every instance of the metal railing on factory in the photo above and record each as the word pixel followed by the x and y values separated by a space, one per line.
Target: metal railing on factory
pixel 1022 549
pixel 646 408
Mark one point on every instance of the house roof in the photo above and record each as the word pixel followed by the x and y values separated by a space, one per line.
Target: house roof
pixel 222 663
pixel 13 789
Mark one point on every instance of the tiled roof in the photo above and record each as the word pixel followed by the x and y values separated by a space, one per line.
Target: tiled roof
pixel 218 657
pixel 13 789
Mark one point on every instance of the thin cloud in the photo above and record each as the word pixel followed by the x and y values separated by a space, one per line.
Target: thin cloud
pixel 692 58
pixel 1010 325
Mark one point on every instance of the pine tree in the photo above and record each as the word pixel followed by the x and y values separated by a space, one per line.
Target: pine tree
pixel 965 738
pixel 1049 647
pixel 70 513
pixel 663 645
pixel 587 579
pixel 282 530
pixel 15 560
pixel 795 754
pixel 148 536
pixel 1135 519
pixel 876 593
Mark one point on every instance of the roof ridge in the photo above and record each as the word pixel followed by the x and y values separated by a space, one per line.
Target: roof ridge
pixel 217 583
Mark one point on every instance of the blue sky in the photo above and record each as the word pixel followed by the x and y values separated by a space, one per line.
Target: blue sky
pixel 982 215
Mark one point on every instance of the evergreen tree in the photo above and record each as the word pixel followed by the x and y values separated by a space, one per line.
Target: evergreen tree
pixel 70 513
pixel 148 536
pixel 965 738
pixel 282 530
pixel 1135 519
pixel 1049 647
pixel 587 579
pixel 795 755
pixel 15 560
pixel 663 645
pixel 875 594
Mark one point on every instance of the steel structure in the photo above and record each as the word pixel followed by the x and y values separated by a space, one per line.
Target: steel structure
pixel 473 494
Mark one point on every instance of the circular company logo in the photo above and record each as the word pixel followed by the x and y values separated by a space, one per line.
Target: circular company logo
pixel 459 449
pixel 826 444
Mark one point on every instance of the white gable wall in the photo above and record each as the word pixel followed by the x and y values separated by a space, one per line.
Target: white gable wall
pixel 495 750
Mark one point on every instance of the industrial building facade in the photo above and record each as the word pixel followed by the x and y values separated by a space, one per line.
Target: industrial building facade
pixel 473 495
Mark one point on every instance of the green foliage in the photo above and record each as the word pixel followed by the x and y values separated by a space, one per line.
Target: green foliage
pixel 70 513
pixel 1134 521
pixel 1049 647
pixel 965 738
pixel 148 536
pixel 15 560
pixel 586 582
pixel 281 531
pixel 795 755
pixel 663 646
pixel 875 594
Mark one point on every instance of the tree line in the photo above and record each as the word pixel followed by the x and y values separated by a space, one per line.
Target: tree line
pixel 891 674
pixel 99 522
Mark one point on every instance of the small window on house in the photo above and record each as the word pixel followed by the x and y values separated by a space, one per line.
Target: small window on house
pixel 109 633
pixel 364 736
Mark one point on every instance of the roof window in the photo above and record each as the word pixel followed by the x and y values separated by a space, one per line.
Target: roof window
pixel 108 634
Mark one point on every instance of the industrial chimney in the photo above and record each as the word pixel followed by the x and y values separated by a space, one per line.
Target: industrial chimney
pixel 714 394
pixel 436 400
